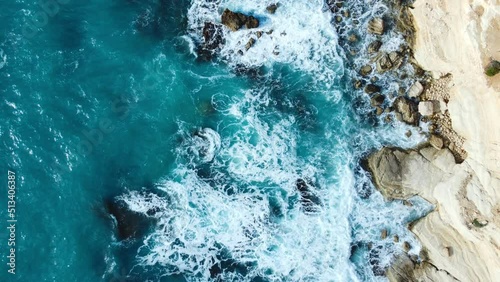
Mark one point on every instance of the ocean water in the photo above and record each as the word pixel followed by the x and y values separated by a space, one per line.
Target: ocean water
pixel 136 160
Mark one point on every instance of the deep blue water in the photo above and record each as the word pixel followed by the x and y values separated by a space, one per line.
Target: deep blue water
pixel 137 161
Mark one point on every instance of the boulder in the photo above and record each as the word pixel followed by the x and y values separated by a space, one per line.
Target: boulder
pixel 365 70
pixel 252 22
pixel 372 88
pixel 492 68
pixel 358 84
pixel 234 21
pixel 390 61
pixel 383 63
pixel 377 100
pixel 396 59
pixel 374 46
pixel 271 9
pixel 415 90
pixel 212 34
pixel 249 44
pixel 429 108
pixel 407 110
pixel 376 26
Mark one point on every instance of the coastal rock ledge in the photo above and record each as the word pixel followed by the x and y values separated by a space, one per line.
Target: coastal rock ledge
pixel 460 237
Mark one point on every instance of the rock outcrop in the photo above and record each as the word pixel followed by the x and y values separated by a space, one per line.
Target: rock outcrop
pixel 406 110
pixel 234 21
pixel 464 224
pixel 376 26
pixel 213 40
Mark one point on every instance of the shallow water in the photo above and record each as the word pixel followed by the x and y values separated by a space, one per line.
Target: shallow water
pixel 218 174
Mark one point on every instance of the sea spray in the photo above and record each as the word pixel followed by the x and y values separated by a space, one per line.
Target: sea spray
pixel 233 209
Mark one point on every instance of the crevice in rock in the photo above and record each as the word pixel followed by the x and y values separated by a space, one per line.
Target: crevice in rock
pixel 442 270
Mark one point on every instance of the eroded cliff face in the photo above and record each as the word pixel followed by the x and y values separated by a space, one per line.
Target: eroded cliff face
pixel 460 238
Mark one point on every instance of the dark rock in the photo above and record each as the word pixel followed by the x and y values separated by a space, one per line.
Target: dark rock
pixel 252 22
pixel 406 246
pixel 235 21
pixel 309 200
pixel 492 68
pixel 129 224
pixel 271 9
pixel 213 40
pixel 374 46
pixel 212 34
pixel 372 88
pixel 375 256
pixel 379 110
pixel 377 100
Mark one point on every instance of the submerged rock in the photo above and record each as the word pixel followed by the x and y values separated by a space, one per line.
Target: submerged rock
pixel 310 202
pixel 206 143
pixel 129 224
pixel 213 40
pixel 235 21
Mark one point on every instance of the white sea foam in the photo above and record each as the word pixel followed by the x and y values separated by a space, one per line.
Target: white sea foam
pixel 3 59
pixel 225 216
pixel 198 221
pixel 298 34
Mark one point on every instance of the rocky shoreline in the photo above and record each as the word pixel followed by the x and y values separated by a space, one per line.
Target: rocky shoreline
pixel 394 80
pixel 460 238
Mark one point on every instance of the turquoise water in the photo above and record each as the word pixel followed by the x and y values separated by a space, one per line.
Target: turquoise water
pixel 137 161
